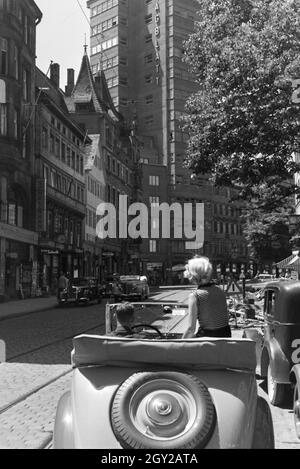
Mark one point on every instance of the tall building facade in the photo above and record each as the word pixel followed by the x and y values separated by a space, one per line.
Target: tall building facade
pixel 139 45
pixel 60 202
pixel 18 238
pixel 115 152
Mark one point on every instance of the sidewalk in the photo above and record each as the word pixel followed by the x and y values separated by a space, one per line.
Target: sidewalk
pixel 23 307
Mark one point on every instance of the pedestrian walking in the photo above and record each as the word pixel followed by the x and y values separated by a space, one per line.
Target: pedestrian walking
pixel 63 283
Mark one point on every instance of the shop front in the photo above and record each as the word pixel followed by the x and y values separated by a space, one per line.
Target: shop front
pixel 52 260
pixel 18 263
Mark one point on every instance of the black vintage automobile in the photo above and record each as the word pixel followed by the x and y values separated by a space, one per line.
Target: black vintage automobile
pixel 278 343
pixel 81 290
pixel 131 288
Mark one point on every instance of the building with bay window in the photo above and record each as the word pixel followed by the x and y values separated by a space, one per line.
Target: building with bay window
pixel 59 184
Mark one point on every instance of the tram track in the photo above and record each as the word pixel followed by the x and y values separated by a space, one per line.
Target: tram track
pixel 40 387
pixel 55 342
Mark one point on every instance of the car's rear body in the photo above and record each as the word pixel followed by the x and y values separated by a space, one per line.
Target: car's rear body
pixel 162 392
pixel 81 290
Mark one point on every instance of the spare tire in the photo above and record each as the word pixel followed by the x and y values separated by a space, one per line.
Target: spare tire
pixel 163 410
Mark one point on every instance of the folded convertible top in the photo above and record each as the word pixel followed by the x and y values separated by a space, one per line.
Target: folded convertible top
pixel 206 353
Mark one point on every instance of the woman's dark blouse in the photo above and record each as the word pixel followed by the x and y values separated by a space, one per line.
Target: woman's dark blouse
pixel 211 306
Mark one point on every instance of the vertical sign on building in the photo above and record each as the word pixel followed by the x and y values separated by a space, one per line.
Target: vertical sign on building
pixel 41 188
pixel 157 44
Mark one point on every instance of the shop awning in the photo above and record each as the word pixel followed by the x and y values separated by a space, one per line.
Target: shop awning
pixel 290 263
pixel 294 264
pixel 286 262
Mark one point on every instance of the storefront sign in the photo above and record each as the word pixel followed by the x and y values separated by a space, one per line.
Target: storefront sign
pixel 154 265
pixel 41 189
pixel 12 255
pixel 48 252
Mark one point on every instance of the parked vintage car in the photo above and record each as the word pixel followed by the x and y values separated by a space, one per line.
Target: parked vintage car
pixel 295 380
pixel 81 290
pixel 132 288
pixel 158 391
pixel 278 342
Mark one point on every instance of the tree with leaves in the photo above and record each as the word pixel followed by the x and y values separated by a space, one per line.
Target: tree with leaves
pixel 243 127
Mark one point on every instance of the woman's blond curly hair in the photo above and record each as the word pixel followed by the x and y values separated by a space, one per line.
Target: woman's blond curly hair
pixel 198 270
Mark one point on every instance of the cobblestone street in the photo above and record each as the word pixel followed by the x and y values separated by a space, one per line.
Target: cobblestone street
pixel 38 372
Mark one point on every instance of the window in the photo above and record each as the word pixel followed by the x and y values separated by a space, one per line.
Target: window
pixel 148 58
pixel 26 84
pixel 63 152
pixel 123 61
pixel 57 147
pixel 105 45
pixel 104 6
pixel 113 81
pixel 26 29
pixel 68 156
pixel 44 138
pixel 73 160
pixel 153 246
pixel 107 24
pixel 154 180
pixel 3 119
pixel 149 99
pixel 148 79
pixel 108 136
pixel 124 81
pixel 16 124
pixel 12 214
pixel 154 201
pixel 16 62
pixel 148 38
pixel 149 120
pixel 52 145
pixel 148 18
pixel 4 56
pixel 269 302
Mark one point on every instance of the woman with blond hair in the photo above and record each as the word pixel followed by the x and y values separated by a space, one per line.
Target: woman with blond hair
pixel 207 304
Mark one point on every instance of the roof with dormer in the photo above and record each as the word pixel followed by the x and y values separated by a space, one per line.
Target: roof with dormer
pixel 90 91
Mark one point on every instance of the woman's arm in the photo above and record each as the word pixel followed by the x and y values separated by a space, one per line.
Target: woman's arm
pixel 192 318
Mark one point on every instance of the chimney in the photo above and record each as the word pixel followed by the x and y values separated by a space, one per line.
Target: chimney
pixel 54 74
pixel 71 82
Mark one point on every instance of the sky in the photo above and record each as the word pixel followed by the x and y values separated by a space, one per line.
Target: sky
pixel 61 35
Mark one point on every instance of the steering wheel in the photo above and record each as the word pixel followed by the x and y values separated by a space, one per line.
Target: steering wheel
pixel 149 326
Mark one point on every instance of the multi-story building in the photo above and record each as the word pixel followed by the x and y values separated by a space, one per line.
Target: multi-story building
pixel 90 104
pixel 61 147
pixel 18 239
pixel 139 45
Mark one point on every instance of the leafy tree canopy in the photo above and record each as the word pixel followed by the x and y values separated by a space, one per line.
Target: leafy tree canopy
pixel 242 124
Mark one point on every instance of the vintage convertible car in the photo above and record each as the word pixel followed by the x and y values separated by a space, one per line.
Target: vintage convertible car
pixel 158 391
pixel 81 290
